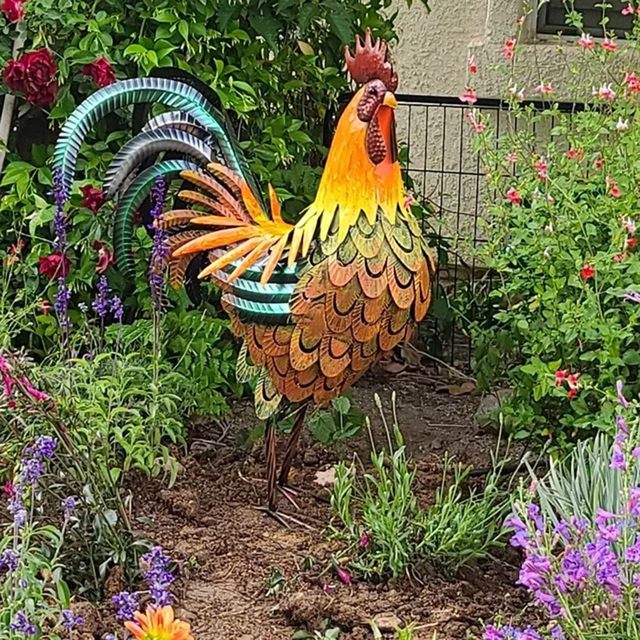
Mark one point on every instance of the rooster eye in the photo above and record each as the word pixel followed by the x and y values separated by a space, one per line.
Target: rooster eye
pixel 372 91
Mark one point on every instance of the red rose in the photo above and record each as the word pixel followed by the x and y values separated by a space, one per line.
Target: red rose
pixel 14 75
pixel 54 266
pixel 45 96
pixel 93 198
pixel 13 10
pixel 100 71
pixel 40 70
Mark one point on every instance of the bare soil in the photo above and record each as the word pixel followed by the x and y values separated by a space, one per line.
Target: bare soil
pixel 227 550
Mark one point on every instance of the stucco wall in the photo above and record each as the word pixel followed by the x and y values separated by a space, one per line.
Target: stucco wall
pixel 432 53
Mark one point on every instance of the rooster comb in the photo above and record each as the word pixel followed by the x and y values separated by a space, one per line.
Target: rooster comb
pixel 371 61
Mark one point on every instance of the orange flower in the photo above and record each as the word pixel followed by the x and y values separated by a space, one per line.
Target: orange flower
pixel 158 624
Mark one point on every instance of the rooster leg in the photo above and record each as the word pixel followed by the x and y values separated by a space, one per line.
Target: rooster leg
pixel 270 451
pixel 290 452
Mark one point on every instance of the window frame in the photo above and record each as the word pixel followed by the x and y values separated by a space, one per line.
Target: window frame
pixel 544 27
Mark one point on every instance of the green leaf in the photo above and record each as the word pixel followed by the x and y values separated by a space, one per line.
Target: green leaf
pixel 340 20
pixel 268 27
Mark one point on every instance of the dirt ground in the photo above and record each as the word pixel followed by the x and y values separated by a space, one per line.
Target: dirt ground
pixel 227 550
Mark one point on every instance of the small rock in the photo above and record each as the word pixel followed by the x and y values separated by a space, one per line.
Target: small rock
pixel 387 621
pixel 436 444
pixel 310 458
pixel 486 416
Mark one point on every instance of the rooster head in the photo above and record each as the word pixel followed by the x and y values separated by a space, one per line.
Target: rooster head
pixel 375 102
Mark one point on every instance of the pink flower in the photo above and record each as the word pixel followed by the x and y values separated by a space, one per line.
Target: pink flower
pixel 612 185
pixel 517 93
pixel 105 256
pixel 628 10
pixel 408 201
pixel 560 376
pixel 9 489
pixel 472 65
pixel 509 49
pixel 575 154
pixel 513 196
pixel 572 380
pixel 511 157
pixel 587 272
pixel 469 96
pixel 365 539
pixel 36 394
pixel 344 576
pixel 542 168
pixel 544 88
pixel 632 81
pixel 605 92
pixel 608 45
pixel 629 225
pixel 476 122
pixel 598 162
pixel 586 42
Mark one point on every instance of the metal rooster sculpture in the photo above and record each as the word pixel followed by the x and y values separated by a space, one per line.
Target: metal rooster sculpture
pixel 316 303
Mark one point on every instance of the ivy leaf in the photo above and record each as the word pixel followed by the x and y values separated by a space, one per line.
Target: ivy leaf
pixel 340 20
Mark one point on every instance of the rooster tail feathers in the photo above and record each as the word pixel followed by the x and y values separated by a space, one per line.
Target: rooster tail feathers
pixel 234 230
pixel 189 136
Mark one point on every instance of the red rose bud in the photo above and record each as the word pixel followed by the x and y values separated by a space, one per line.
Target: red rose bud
pixel 100 71
pixel 344 576
pixel 54 266
pixel 13 10
pixel 92 197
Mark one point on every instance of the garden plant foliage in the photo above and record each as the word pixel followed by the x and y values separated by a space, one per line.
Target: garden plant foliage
pixel 561 325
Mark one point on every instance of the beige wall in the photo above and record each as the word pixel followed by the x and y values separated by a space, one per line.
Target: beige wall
pixel 432 53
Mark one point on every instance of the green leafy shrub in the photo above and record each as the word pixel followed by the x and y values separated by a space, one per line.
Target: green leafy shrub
pixel 562 245
pixel 109 415
pixel 386 533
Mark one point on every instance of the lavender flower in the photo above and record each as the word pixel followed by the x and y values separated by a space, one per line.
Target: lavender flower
pixel 70 620
pixel 21 624
pixel 60 195
pixel 160 251
pixel 101 303
pixel 126 604
pixel 117 308
pixel 45 446
pixel 61 303
pixel 32 470
pixel 9 560
pixel 69 505
pixel 158 576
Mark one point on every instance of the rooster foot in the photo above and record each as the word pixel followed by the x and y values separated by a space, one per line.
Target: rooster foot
pixel 283 518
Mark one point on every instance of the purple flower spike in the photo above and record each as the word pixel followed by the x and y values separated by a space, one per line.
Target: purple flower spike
pixel 126 604
pixel 21 624
pixel 70 620
pixel 160 252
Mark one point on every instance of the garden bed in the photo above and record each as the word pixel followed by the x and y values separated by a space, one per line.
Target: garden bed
pixel 230 554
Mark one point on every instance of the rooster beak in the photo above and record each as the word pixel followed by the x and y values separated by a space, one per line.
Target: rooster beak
pixel 390 100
